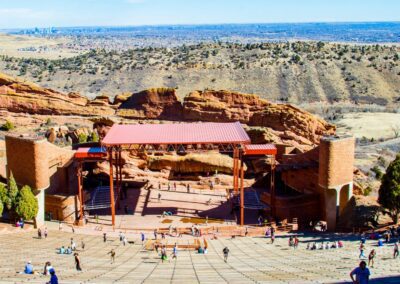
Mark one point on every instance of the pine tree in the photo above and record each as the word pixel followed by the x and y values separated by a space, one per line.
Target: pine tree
pixel 27 206
pixel 12 193
pixel 3 197
pixel 389 192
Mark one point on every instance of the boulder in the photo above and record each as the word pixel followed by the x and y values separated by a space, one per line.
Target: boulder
pixel 157 103
pixel 192 163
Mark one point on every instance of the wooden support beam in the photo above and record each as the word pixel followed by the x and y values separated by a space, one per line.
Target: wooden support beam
pixel 241 191
pixel 112 187
pixel 80 190
pixel 272 186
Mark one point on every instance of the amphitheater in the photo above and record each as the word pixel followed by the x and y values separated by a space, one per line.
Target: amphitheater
pixel 251 260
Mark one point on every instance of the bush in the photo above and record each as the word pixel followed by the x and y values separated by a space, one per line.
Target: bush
pixel 7 126
pixel 378 172
pixel 94 137
pixel 12 193
pixel 27 206
pixel 82 138
pixel 367 191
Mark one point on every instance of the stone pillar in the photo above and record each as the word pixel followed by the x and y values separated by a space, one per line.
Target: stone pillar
pixel 41 212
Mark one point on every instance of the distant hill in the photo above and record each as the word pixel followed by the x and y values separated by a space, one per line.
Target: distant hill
pixel 295 72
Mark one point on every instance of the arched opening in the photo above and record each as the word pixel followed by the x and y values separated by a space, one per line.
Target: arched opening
pixel 344 197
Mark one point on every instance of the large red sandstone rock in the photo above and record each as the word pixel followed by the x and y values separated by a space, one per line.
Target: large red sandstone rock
pixel 282 122
pixel 18 96
pixel 157 103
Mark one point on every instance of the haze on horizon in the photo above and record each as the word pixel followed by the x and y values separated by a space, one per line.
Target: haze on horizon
pixel 70 13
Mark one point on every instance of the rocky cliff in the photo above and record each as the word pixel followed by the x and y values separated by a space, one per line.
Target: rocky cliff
pixel 19 96
pixel 278 123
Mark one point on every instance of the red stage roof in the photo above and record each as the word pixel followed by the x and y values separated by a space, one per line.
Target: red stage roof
pixel 260 149
pixel 178 133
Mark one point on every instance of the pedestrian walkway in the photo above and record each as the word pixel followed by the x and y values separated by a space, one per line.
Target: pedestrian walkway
pixel 251 260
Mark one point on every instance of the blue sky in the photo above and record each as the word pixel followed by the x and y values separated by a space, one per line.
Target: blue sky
pixel 44 13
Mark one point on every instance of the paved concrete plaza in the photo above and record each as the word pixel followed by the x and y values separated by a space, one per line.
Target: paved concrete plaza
pixel 251 260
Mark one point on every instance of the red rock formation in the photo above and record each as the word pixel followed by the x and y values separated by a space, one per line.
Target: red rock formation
pixel 282 122
pixel 157 103
pixel 221 106
pixel 18 96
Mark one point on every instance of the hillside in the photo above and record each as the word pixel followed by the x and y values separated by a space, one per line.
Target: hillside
pixel 297 72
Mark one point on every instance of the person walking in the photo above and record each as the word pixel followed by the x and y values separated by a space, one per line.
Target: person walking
pixel 112 255
pixel 361 274
pixel 143 237
pixel 159 185
pixel 371 258
pixel 104 237
pixel 362 248
pixel 272 237
pixel 175 252
pixel 124 240
pixel 83 245
pixel 163 254
pixel 225 252
pixel 73 244
pixel 188 188
pixel 155 234
pixel 39 232
pixel 174 186
pixel 396 249
pixel 77 262
pixel 159 197
pixel 296 242
pixel 45 232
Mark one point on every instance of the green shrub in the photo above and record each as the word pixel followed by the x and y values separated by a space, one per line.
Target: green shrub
pixel 7 126
pixel 27 206
pixel 377 171
pixel 12 193
pixel 94 137
pixel 82 138
pixel 367 191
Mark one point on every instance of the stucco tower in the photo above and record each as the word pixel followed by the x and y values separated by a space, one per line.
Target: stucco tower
pixel 28 162
pixel 336 160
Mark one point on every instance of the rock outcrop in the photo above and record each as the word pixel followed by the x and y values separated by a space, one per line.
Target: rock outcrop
pixel 222 106
pixel 192 163
pixel 157 103
pixel 281 122
pixel 18 96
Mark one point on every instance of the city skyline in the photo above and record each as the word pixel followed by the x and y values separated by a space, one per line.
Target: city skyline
pixel 47 13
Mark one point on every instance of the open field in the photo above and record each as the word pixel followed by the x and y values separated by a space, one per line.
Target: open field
pixel 376 125
pixel 34 47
